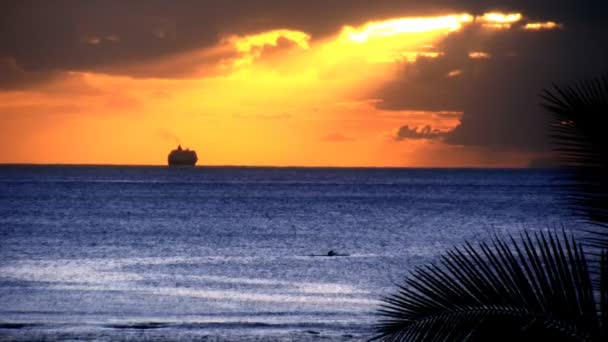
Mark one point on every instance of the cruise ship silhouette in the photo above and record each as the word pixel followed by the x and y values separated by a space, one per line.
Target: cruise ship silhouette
pixel 182 157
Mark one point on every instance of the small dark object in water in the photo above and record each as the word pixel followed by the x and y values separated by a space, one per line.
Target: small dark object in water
pixel 331 253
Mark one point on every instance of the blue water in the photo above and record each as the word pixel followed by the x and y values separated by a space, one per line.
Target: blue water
pixel 152 253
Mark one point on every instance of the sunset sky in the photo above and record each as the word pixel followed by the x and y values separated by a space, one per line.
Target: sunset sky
pixel 289 83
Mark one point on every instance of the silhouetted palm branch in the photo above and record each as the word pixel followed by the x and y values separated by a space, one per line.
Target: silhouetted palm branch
pixel 579 130
pixel 537 288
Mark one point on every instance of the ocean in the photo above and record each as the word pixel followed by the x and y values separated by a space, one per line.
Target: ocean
pixel 237 254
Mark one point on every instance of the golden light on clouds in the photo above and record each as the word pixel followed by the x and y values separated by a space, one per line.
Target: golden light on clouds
pixel 496 17
pixel 392 27
pixel 393 40
pixel 251 46
pixel 547 25
pixel 454 73
pixel 278 97
pixel 497 20
pixel 95 40
pixel 479 55
pixel 247 43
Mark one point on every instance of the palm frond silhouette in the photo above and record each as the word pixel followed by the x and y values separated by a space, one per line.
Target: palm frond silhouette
pixel 579 119
pixel 533 288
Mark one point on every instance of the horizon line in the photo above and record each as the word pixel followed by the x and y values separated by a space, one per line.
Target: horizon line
pixel 276 166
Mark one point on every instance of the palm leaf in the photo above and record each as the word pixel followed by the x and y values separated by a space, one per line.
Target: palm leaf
pixel 579 118
pixel 528 289
pixel 604 295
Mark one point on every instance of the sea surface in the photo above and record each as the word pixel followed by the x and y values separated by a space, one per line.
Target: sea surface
pixel 237 254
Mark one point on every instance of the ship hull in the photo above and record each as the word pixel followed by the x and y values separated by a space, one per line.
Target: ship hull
pixel 182 163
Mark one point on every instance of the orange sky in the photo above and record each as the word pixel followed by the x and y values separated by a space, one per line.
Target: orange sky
pixel 276 98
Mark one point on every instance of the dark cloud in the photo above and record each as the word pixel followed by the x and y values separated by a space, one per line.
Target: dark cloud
pixel 415 133
pixel 425 86
pixel 499 95
pixel 51 36
pixel 12 76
